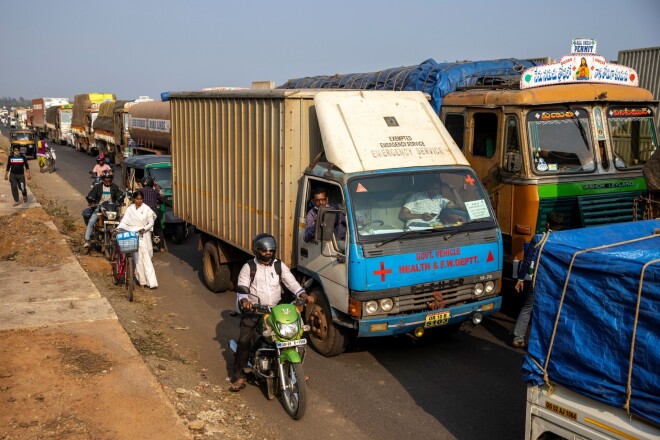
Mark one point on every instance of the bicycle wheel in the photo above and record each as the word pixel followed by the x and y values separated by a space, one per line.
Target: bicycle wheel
pixel 130 278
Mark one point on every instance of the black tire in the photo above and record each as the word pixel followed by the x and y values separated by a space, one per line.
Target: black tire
pixel 130 277
pixel 325 336
pixel 217 276
pixel 294 396
pixel 179 233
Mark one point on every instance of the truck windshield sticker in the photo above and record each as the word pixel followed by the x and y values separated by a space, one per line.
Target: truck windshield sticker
pixel 469 179
pixel 360 188
pixel 477 209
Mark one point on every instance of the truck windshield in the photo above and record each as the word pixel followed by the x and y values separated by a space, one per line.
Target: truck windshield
pixel 419 201
pixel 65 117
pixel 633 135
pixel 162 176
pixel 560 141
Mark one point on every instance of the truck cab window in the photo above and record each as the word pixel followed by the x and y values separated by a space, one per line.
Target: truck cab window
pixel 512 136
pixel 455 124
pixel 324 194
pixel 633 135
pixel 485 134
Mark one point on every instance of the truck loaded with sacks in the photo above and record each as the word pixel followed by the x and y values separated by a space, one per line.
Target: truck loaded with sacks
pixel 255 161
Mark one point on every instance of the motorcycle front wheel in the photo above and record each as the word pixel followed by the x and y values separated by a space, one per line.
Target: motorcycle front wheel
pixel 294 395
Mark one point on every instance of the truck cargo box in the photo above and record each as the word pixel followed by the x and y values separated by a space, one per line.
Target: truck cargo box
pixel 595 318
pixel 149 126
pixel 213 151
pixel 82 104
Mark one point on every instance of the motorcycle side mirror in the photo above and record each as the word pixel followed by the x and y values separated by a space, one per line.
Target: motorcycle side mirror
pixel 243 290
pixel 308 283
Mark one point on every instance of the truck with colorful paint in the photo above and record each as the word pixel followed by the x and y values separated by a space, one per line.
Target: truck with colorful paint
pixel 253 161
pixel 58 123
pixel 40 107
pixel 85 111
pixel 570 137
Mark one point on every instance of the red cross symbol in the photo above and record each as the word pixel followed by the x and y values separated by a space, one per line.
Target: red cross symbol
pixel 469 180
pixel 382 272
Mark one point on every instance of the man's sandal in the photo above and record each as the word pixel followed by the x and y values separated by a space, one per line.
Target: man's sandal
pixel 519 344
pixel 236 387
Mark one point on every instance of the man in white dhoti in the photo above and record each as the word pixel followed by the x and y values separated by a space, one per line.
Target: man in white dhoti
pixel 140 218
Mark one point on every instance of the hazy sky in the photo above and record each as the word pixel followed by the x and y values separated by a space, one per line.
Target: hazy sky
pixel 60 48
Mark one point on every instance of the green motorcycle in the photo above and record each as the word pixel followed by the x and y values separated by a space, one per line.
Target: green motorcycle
pixel 277 356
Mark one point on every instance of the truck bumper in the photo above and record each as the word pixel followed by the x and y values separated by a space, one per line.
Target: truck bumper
pixel 396 325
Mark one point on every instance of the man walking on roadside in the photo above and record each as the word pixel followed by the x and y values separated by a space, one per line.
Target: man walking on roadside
pixel 17 168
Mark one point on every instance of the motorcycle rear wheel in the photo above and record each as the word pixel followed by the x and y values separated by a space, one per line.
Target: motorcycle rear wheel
pixel 294 396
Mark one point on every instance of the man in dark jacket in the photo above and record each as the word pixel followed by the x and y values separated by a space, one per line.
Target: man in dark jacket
pixel 106 191
pixel 17 168
pixel 525 276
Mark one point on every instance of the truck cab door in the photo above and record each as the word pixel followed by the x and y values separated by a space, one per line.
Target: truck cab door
pixel 325 253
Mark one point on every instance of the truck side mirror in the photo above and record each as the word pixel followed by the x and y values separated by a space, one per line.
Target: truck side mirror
pixel 513 162
pixel 325 223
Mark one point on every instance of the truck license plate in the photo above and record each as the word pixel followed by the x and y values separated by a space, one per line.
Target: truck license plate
pixel 295 343
pixel 436 319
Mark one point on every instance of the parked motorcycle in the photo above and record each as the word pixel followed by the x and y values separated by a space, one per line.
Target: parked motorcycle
pixel 50 159
pixel 277 356
pixel 106 221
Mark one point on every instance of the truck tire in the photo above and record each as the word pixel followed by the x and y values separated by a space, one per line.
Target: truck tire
pixel 217 276
pixel 179 233
pixel 325 336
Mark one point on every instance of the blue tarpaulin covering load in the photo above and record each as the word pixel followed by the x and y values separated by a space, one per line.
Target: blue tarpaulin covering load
pixel 598 323
pixel 435 79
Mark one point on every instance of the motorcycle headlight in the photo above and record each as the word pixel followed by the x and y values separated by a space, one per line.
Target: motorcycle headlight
pixel 288 330
pixel 111 215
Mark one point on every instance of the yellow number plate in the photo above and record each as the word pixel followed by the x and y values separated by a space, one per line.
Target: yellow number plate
pixel 436 319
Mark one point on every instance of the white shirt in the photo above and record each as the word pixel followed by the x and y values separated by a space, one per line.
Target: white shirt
pixel 421 203
pixel 266 284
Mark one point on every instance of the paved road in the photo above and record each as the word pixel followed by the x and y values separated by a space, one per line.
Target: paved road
pixel 464 386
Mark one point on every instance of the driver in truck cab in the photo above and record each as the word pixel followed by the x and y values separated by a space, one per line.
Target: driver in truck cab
pixel 319 199
pixel 424 209
pixel 262 277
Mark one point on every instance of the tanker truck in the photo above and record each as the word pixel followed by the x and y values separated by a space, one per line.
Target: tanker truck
pixel 58 123
pixel 247 162
pixel 40 107
pixel 149 128
pixel 553 137
pixel 85 111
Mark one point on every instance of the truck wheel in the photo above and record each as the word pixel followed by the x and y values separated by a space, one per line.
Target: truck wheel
pixel 179 233
pixel 326 337
pixel 216 275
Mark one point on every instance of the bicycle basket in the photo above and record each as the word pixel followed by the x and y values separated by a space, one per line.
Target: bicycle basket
pixel 128 241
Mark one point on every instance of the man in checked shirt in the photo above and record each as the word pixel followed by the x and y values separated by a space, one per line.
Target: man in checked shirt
pixel 423 208
pixel 153 198
pixel 264 282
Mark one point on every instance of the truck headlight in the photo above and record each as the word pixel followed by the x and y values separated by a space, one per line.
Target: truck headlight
pixel 478 289
pixel 288 330
pixel 386 304
pixel 371 307
pixel 490 286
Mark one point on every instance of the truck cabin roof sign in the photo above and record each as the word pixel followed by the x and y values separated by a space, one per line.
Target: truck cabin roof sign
pixel 581 66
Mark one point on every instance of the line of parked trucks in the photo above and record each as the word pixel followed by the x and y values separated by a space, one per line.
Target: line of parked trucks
pixel 509 141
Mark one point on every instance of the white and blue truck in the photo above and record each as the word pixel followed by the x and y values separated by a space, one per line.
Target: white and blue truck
pixel 247 161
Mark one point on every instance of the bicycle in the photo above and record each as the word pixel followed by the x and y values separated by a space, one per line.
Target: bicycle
pixel 123 265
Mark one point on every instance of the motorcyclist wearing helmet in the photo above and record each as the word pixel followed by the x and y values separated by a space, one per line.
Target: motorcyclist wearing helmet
pixel 153 198
pixel 106 191
pixel 265 285
pixel 100 166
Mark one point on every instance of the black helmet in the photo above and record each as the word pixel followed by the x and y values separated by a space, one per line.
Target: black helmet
pixel 148 181
pixel 107 173
pixel 264 242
